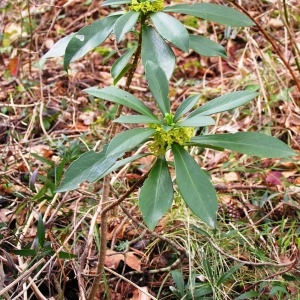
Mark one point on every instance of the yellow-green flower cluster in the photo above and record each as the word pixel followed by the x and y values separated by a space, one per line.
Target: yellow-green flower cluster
pixel 164 139
pixel 147 6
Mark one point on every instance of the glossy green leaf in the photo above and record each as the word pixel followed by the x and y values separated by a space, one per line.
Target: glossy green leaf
pixel 171 29
pixel 224 103
pixel 156 195
pixel 159 87
pixel 195 187
pixel 119 96
pixel 197 121
pixel 122 73
pixel 88 38
pixel 125 23
pixel 90 166
pixel 122 62
pixel 137 119
pixel 129 139
pixel 212 12
pixel 59 48
pixel 155 49
pixel 41 231
pixel 251 143
pixel 186 106
pixel 115 2
pixel 206 47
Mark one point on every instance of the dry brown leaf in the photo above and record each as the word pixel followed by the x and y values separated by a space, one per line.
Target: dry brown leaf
pixel 231 176
pixel 5 215
pixel 133 261
pixel 275 23
pixel 113 259
pixel 288 174
pixel 139 295
pixel 297 181
pixel 41 150
pixel 293 289
pixel 87 117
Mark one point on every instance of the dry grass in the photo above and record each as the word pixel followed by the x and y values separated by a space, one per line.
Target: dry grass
pixel 46 113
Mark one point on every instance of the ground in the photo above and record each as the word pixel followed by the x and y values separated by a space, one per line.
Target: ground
pixel 47 121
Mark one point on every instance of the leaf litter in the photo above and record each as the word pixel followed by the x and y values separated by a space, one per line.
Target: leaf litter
pixel 46 113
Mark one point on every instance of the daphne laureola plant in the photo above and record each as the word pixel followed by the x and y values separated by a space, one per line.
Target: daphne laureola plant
pixel 156 31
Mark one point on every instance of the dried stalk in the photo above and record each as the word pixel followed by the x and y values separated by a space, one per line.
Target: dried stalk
pixel 272 42
pixel 106 183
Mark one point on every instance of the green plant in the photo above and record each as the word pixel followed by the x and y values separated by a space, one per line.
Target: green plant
pixel 40 247
pixel 165 131
pixel 197 289
pixel 168 131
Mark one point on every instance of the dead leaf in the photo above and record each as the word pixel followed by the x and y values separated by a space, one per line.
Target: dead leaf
pixel 288 174
pixel 275 23
pixel 139 295
pixel 297 181
pixel 231 176
pixel 113 259
pixel 87 117
pixel 13 66
pixel 5 215
pixel 41 150
pixel 274 178
pixel 133 261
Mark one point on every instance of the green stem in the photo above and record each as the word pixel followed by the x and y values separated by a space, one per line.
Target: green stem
pixel 131 71
pixel 136 56
pixel 106 181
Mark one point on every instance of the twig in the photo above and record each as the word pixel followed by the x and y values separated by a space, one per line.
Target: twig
pixel 269 213
pixel 129 281
pixel 106 181
pixel 230 187
pixel 292 264
pixel 271 41
pixel 126 194
pixel 46 263
pixel 103 239
pixel 179 249
pixel 285 19
pixel 131 273
pixel 249 262
pixel 21 277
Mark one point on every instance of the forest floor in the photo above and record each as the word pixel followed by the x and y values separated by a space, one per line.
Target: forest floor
pixel 47 121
